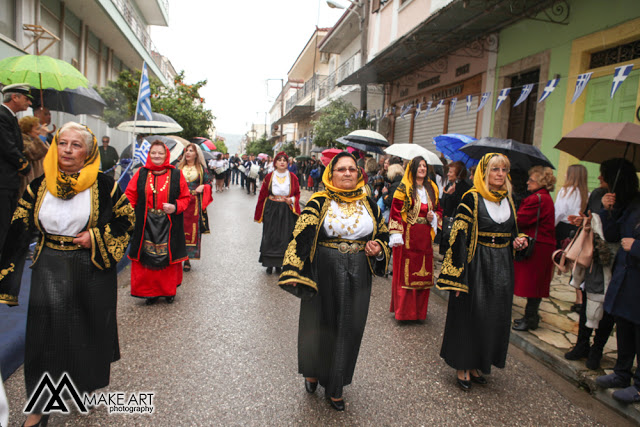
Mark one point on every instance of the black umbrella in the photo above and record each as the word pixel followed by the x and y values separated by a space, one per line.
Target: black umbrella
pixel 359 146
pixel 522 156
pixel 318 149
pixel 367 137
pixel 207 156
pixel 73 101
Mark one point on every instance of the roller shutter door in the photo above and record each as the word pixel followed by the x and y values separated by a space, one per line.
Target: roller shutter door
pixel 461 122
pixel 425 128
pixel 402 129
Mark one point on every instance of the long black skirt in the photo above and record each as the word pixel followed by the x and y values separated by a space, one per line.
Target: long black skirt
pixel 277 226
pixel 71 322
pixel 476 334
pixel 332 322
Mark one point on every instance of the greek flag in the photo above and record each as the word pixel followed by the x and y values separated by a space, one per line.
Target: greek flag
pixel 144 95
pixel 581 83
pixel 142 152
pixel 526 90
pixel 418 109
pixel 454 101
pixel 502 96
pixel 428 110
pixel 551 85
pixel 440 104
pixel 469 98
pixel 404 111
pixel 619 76
pixel 483 100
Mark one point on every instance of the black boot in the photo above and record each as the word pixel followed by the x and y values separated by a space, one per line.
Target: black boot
pixel 605 327
pixel 582 346
pixel 531 318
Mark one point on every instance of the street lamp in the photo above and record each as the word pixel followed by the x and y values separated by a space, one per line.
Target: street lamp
pixel 333 4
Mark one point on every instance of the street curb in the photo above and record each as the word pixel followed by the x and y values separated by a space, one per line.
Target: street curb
pixel 574 372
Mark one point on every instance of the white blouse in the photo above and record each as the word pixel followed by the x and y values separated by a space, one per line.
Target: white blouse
pixel 567 203
pixel 347 221
pixel 65 217
pixel 500 213
pixel 278 189
pixel 396 239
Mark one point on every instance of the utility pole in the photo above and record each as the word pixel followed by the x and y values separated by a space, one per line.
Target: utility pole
pixel 364 33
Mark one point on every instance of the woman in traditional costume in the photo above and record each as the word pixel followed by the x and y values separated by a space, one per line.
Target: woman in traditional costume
pixel 278 209
pixel 196 220
pixel 478 269
pixel 455 188
pixel 413 222
pixel 159 194
pixel 84 222
pixel 339 240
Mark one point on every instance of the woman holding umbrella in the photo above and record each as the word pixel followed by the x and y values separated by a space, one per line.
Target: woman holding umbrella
pixel 159 194
pixel 196 221
pixel 478 269
pixel 415 212
pixel 278 208
pixel 339 240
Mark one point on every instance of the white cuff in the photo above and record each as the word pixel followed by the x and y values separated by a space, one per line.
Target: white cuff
pixel 396 239
pixel 434 222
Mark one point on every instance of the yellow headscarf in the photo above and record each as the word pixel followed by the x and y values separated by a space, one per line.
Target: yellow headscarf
pixel 479 185
pixel 404 193
pixel 338 194
pixel 66 186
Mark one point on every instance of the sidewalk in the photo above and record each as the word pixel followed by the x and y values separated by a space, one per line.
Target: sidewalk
pixel 555 335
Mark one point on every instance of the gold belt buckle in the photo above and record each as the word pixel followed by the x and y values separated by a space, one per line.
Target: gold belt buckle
pixel 344 247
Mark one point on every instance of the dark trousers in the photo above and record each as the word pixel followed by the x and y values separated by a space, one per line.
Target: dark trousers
pixel 605 326
pixel 242 179
pixel 227 177
pixel 234 176
pixel 8 204
pixel 628 334
pixel 251 185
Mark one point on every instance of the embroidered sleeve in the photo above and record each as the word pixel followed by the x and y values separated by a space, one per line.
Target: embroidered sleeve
pixel 109 241
pixel 15 248
pixel 395 217
pixel 296 266
pixel 453 275
pixel 379 266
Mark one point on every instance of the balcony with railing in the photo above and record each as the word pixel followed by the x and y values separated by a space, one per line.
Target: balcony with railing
pixel 138 27
pixel 328 85
pixel 304 95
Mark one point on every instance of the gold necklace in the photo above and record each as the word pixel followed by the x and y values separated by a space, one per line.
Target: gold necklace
pixel 281 180
pixel 153 189
pixel 190 173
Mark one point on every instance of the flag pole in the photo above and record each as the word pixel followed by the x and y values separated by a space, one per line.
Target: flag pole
pixel 135 117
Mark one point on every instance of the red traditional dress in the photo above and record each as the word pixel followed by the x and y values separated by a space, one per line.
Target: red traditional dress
pixel 152 282
pixel 413 258
pixel 196 222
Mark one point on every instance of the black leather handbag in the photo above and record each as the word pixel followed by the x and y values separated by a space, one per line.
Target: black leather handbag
pixel 528 251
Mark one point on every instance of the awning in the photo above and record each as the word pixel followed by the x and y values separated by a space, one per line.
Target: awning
pixel 453 27
pixel 297 113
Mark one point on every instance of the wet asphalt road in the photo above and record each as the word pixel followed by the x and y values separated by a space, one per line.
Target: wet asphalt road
pixel 225 354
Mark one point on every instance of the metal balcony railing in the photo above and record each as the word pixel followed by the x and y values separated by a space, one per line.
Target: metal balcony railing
pixel 329 84
pixel 138 27
pixel 301 94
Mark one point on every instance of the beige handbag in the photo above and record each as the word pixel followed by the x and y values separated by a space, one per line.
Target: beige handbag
pixel 578 252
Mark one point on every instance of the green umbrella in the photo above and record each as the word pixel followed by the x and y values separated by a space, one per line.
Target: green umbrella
pixel 42 72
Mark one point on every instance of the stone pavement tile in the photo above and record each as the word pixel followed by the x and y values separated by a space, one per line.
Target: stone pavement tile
pixel 519 302
pixel 560 321
pixel 574 316
pixel 556 339
pixel 549 306
pixel 564 295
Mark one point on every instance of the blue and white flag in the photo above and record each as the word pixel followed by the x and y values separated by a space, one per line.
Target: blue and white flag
pixel 502 96
pixel 393 110
pixel 418 109
pixel 483 100
pixel 551 85
pixel 454 101
pixel 526 90
pixel 440 104
pixel 404 111
pixel 581 83
pixel 428 109
pixel 619 76
pixel 142 152
pixel 469 98
pixel 144 95
pixel 346 123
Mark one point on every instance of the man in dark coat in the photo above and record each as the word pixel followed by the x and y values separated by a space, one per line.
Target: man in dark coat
pixel 108 157
pixel 16 98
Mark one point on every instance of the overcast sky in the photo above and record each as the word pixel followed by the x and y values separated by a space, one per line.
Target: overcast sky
pixel 236 46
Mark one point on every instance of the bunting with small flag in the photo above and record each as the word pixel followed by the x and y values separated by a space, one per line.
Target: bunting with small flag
pixel 581 83
pixel 428 109
pixel 502 96
pixel 526 90
pixel 404 111
pixel 469 98
pixel 454 101
pixel 346 123
pixel 483 100
pixel 619 76
pixel 440 104
pixel 550 87
pixel 418 110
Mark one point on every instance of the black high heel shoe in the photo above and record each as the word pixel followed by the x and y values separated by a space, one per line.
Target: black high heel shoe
pixel 479 379
pixel 338 405
pixel 464 384
pixel 44 420
pixel 310 386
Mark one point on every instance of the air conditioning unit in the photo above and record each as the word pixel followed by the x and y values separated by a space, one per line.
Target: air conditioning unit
pixel 324 58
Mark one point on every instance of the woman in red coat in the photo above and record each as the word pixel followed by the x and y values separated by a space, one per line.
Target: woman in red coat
pixel 533 275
